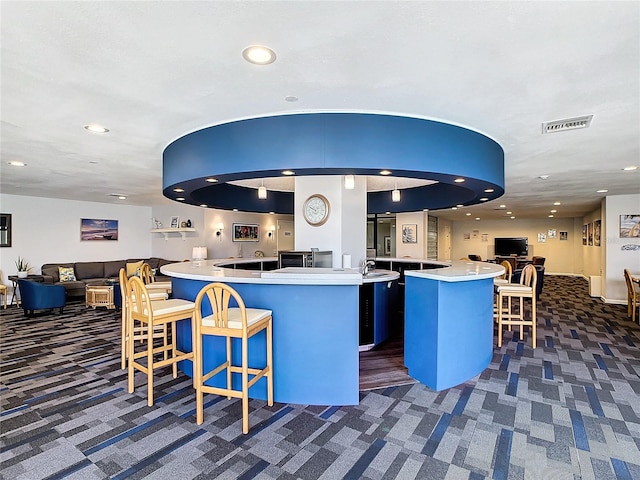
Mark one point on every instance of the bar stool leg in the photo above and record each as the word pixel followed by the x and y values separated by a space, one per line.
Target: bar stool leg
pixel 270 364
pixel 245 385
pixel 229 380
pixel 149 365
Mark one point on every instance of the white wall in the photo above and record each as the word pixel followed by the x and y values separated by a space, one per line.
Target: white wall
pixel 414 250
pixel 47 230
pixel 618 257
pixel 561 256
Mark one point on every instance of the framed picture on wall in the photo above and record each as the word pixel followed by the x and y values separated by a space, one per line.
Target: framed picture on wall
pixel 94 229
pixel 564 236
pixel 410 233
pixel 596 232
pixel 584 234
pixel 243 232
pixel 630 225
pixel 387 245
pixel 590 233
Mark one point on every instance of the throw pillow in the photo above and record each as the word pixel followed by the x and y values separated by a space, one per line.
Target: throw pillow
pixel 66 274
pixel 134 268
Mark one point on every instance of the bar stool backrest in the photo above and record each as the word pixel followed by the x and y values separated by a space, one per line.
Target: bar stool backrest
pixel 219 296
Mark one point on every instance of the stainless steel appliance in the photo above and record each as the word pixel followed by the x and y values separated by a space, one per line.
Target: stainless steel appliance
pixel 311 258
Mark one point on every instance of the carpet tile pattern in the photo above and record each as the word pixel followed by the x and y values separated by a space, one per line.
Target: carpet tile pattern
pixel 570 409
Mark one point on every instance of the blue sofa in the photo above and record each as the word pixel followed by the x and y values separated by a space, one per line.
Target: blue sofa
pixel 38 296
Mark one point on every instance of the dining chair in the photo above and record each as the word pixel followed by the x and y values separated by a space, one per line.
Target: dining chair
pixel 633 296
pixel 149 279
pixel 525 289
pixel 151 315
pixel 232 323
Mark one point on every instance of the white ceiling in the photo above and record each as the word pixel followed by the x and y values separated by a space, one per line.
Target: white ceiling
pixel 154 71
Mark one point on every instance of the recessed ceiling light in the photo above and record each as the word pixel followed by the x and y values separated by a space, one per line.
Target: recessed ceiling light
pixel 180 199
pixel 291 98
pixel 503 206
pixel 178 190
pixel 454 208
pixel 95 128
pixel 459 180
pixel 212 180
pixel 488 190
pixel 512 218
pixel 551 216
pixel 630 168
pixel 509 213
pixel 484 199
pixel 557 203
pixel 543 177
pixel 602 190
pixel 15 163
pixel 122 197
pixel 387 213
pixel 477 218
pixel 235 209
pixel 553 211
pixel 271 213
pixel 468 214
pixel 203 205
pixel 259 55
pixel 459 206
pixel 385 172
pixel 288 172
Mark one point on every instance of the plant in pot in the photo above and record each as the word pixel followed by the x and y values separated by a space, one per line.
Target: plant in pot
pixel 23 267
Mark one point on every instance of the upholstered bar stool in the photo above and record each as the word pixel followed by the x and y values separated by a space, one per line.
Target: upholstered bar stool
pixel 525 289
pixel 151 315
pixel 237 322
pixel 149 279
pixel 139 333
pixel 503 279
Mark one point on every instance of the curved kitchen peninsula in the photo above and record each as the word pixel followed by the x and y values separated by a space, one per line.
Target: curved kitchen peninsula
pixel 449 322
pixel 315 325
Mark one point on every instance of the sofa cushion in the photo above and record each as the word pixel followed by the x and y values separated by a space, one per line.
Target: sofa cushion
pixel 134 268
pixel 51 270
pixel 112 268
pixel 66 274
pixel 86 270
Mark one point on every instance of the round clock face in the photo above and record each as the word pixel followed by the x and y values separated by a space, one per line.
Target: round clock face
pixel 316 210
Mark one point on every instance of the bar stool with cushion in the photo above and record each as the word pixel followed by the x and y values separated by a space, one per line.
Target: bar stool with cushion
pixel 149 279
pixel 151 315
pixel 525 289
pixel 139 333
pixel 237 322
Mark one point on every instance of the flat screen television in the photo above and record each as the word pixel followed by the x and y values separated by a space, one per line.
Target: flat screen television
pixel 505 247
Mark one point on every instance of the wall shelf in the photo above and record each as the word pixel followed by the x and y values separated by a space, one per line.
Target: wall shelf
pixel 167 231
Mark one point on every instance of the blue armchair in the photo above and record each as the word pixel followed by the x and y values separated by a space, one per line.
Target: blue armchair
pixel 37 296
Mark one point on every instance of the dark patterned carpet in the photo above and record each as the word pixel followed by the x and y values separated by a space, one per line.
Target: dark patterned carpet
pixel 568 410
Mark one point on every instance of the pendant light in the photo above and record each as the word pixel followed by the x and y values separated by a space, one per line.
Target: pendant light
pixel 262 191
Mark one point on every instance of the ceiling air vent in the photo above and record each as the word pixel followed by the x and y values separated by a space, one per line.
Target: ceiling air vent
pixel 567 124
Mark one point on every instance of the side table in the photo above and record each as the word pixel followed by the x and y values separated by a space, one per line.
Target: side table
pixel 14 280
pixel 100 295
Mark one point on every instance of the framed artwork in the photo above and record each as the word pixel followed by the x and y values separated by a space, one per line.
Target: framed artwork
pixel 564 236
pixel 590 233
pixel 542 238
pixel 551 233
pixel 584 234
pixel 596 232
pixel 94 229
pixel 410 233
pixel 630 225
pixel 387 245
pixel 5 229
pixel 243 232
pixel 175 222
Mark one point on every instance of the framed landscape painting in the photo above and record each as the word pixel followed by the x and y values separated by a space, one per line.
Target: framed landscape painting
pixel 94 229
pixel 630 225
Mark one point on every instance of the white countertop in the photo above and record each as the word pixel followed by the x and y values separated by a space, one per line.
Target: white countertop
pixel 459 271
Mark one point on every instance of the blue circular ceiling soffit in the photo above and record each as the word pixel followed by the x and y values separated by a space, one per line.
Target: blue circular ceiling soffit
pixel 333 144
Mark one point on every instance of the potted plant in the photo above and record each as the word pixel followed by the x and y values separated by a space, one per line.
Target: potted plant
pixel 23 267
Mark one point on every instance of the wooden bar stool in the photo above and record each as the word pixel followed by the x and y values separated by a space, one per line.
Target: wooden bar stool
pixel 151 315
pixel 238 322
pixel 149 279
pixel 139 333
pixel 525 289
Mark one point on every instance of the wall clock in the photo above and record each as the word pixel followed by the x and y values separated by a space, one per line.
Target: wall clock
pixel 316 210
